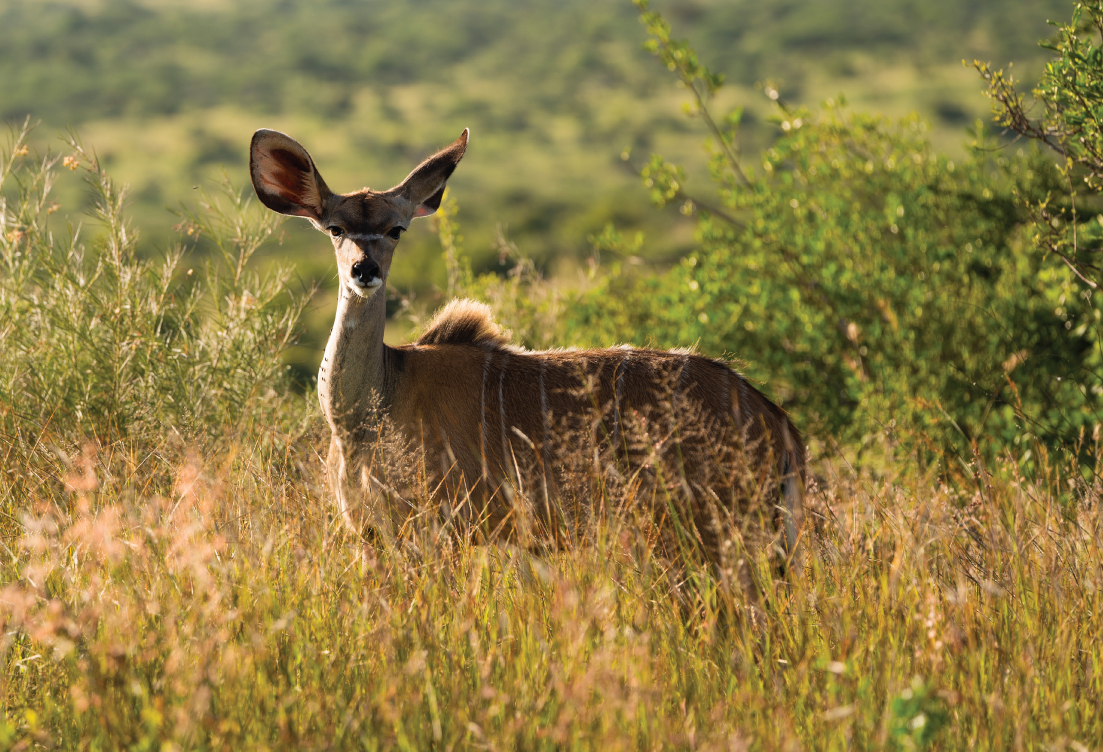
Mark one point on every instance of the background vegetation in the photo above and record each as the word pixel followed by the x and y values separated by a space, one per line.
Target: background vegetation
pixel 173 575
pixel 168 92
pixel 876 277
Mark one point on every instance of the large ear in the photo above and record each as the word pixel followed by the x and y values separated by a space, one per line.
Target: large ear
pixel 424 187
pixel 284 176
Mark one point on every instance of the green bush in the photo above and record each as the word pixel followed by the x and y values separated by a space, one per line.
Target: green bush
pixel 101 345
pixel 869 281
pixel 1067 221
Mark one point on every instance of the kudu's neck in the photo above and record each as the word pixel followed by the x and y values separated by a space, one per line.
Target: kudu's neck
pixel 356 364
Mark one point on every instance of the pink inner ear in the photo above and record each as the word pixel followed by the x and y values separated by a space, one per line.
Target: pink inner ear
pixel 278 186
pixel 290 182
pixel 282 180
pixel 424 211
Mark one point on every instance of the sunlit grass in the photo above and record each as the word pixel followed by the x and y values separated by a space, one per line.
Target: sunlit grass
pixel 220 603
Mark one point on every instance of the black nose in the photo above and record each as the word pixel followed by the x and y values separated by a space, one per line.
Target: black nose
pixel 365 271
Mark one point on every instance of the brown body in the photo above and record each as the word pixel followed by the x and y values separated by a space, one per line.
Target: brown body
pixel 497 423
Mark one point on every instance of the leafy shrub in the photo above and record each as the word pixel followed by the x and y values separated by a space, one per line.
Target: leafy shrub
pixel 869 281
pixel 1066 221
pixel 99 344
pixel 1069 98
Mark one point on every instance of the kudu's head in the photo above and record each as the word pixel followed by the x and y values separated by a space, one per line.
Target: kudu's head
pixel 364 226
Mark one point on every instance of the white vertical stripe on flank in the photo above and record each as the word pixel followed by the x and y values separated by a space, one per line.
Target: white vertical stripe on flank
pixel 544 420
pixel 742 401
pixel 681 378
pixel 726 399
pixel 791 491
pixel 502 412
pixel 482 413
pixel 618 394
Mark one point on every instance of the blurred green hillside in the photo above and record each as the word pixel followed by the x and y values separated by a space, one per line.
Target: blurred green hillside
pixel 169 92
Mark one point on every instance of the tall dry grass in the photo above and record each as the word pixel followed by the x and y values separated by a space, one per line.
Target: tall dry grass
pixel 174 575
pixel 227 608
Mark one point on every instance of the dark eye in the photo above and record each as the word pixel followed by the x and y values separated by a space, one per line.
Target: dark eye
pixel 395 232
pixel 335 231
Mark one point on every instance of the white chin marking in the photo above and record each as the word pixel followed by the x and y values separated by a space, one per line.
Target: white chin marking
pixel 365 291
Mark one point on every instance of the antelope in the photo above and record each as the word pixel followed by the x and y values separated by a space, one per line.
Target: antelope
pixel 479 408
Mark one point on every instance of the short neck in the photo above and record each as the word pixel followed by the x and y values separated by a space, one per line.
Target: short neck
pixel 356 363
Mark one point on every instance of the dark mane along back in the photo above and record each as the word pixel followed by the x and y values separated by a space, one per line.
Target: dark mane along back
pixel 464 322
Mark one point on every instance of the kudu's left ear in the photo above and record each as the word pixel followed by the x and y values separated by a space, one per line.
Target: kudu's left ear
pixel 284 176
pixel 424 187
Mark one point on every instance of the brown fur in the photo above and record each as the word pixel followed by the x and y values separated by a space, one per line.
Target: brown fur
pixel 484 411
pixel 495 422
pixel 463 322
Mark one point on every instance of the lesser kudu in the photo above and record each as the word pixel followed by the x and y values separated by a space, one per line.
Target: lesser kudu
pixel 486 413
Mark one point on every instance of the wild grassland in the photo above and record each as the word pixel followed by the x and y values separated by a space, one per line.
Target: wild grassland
pixel 174 576
pixel 217 604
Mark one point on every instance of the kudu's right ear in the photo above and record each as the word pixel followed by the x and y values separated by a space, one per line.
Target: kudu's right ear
pixel 284 176
pixel 424 187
